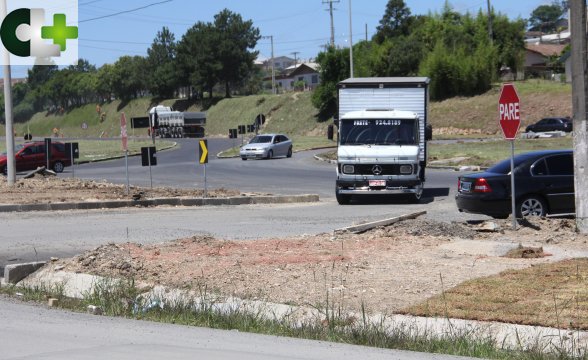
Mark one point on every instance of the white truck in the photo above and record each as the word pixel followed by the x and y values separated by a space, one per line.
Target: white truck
pixel 176 124
pixel 382 136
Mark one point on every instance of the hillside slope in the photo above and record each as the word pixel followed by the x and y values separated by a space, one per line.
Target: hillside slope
pixel 479 114
pixel 294 114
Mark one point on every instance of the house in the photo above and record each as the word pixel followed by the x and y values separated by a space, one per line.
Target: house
pixel 305 75
pixel 280 63
pixel 540 58
pixel 14 81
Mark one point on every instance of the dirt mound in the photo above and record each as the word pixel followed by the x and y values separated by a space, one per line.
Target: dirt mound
pixel 385 269
pixel 52 189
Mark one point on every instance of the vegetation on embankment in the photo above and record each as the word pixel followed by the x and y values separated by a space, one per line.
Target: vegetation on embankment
pixel 293 114
pixel 290 113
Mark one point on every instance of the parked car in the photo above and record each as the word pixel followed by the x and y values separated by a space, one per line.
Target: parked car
pixel 267 146
pixel 551 124
pixel 29 156
pixel 544 184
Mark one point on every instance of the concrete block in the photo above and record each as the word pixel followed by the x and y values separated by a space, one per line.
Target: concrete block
pixel 16 272
pixel 94 310
pixel 52 302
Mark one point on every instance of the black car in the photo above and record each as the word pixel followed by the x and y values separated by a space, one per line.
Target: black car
pixel 544 184
pixel 551 124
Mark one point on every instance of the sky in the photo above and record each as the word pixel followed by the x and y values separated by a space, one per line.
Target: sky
pixel 109 29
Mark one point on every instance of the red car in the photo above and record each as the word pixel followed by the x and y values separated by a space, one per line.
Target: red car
pixel 30 156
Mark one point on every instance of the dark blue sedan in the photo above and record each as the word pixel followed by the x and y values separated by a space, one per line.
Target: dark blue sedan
pixel 544 184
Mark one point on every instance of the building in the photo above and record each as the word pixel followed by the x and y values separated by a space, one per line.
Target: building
pixel 298 77
pixel 542 59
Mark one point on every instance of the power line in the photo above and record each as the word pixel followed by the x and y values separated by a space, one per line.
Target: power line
pixel 126 11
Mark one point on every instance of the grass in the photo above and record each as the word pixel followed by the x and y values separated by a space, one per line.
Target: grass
pixel 94 150
pixel 553 295
pixel 482 153
pixel 123 299
pixel 292 114
pixel 486 153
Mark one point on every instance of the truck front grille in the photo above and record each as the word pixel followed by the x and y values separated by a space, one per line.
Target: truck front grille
pixel 378 169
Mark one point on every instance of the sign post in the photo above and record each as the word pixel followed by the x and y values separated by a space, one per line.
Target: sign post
pixel 204 160
pixel 124 138
pixel 510 120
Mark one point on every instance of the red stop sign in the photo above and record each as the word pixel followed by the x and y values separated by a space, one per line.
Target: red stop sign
pixel 509 111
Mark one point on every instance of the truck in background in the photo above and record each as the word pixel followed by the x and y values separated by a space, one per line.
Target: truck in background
pixel 164 122
pixel 382 136
pixel 168 123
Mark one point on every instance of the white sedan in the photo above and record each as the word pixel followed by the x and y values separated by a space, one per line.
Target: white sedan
pixel 267 146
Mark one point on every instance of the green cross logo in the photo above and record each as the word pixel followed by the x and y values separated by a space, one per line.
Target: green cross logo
pixel 24 34
pixel 59 32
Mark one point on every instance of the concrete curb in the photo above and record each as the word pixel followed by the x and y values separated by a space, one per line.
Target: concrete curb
pixel 242 200
pixel 357 229
pixel 16 272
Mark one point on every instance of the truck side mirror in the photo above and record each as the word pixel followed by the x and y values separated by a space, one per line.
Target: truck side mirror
pixel 336 122
pixel 428 132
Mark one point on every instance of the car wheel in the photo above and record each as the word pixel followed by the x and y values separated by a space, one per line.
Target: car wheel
pixel 531 206
pixel 58 167
pixel 4 170
pixel 244 158
pixel 289 152
pixel 343 199
pixel 270 154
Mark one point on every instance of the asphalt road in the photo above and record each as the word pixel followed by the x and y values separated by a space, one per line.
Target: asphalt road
pixel 301 174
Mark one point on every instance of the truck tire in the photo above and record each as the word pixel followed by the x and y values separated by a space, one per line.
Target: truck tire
pixel 343 199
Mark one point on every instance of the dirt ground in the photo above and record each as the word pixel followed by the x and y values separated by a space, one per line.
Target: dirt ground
pixel 386 269
pixel 51 189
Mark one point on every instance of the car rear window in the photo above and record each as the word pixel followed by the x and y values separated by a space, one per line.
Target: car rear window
pixel 503 167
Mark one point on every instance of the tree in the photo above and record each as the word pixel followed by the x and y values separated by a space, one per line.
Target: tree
pixel 395 22
pixel 161 61
pixel 197 58
pixel 236 37
pixel 334 67
pixel 545 17
pixel 128 77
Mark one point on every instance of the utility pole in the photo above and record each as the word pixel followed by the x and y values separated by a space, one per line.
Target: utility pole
pixel 366 33
pixel 490 22
pixel 330 2
pixel 295 53
pixel 10 160
pixel 271 37
pixel 580 109
pixel 350 43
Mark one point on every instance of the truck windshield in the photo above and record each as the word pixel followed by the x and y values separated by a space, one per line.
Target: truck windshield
pixel 378 132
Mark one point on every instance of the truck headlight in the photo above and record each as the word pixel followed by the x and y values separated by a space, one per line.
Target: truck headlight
pixel 406 169
pixel 348 169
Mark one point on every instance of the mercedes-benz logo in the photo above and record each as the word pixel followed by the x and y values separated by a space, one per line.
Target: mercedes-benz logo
pixel 377 170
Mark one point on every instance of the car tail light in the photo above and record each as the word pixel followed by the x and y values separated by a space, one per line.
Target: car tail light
pixel 482 186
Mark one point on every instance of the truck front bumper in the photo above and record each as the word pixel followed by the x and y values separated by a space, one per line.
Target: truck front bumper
pixel 391 187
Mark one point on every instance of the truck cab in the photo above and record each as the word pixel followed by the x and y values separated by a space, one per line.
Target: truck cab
pixel 382 134
pixel 378 152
